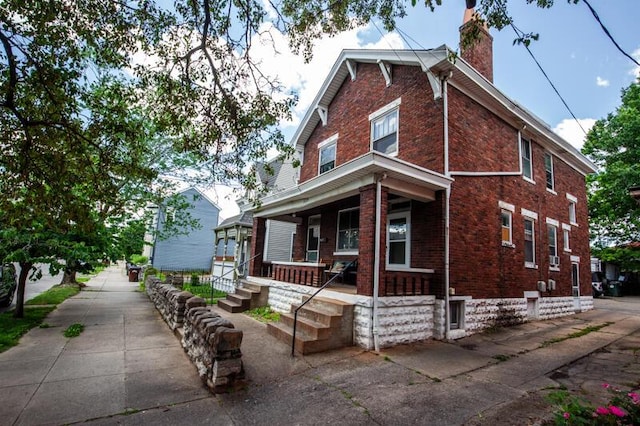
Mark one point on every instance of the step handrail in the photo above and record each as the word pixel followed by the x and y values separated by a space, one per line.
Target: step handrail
pixel 295 312
pixel 216 279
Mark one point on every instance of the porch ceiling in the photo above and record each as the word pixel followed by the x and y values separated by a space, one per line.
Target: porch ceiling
pixel 399 176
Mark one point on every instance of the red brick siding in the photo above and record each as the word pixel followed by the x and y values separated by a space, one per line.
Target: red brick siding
pixel 420 119
pixel 480 55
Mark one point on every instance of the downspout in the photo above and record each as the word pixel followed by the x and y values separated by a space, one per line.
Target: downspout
pixel 445 115
pixel 376 262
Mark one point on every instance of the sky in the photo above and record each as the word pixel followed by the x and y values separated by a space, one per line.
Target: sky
pixel 585 66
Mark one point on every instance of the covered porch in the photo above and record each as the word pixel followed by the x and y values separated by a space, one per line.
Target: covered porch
pixel 385 214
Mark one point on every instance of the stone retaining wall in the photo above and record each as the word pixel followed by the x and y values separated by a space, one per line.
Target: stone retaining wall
pixel 212 342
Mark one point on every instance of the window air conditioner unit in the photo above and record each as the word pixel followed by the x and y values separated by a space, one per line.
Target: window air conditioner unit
pixel 552 285
pixel 554 260
pixel 542 286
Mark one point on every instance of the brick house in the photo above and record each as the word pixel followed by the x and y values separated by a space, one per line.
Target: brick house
pixel 463 209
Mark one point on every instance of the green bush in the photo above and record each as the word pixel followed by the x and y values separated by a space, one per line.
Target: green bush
pixel 195 279
pixel 623 408
pixel 138 259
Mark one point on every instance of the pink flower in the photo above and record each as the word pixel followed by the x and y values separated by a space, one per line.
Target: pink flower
pixel 617 411
pixel 603 411
pixel 606 385
pixel 634 397
pixel 566 415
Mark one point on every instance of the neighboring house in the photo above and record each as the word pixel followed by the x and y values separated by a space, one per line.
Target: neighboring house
pixel 233 235
pixel 463 209
pixel 190 252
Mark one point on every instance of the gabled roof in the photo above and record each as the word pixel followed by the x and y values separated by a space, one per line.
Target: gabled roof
pixel 440 63
pixel 243 219
pixel 202 194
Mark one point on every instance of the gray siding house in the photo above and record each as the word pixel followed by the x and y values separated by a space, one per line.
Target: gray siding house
pixel 195 250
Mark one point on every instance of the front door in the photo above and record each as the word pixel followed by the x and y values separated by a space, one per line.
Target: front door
pixel 575 286
pixel 313 239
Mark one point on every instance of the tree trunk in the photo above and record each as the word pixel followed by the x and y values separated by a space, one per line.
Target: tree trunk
pixel 69 277
pixel 25 267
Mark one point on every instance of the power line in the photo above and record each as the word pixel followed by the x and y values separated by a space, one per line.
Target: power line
pixel 520 34
pixel 606 31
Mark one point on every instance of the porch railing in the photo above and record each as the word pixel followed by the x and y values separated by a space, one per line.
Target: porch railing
pixel 406 285
pixel 295 312
pixel 236 269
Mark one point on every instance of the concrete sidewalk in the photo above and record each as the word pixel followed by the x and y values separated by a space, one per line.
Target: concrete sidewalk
pixel 127 367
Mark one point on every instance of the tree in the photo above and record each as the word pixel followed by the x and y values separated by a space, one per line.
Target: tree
pixel 613 144
pixel 82 115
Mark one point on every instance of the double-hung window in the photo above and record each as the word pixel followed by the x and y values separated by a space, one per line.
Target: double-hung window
pixel 327 154
pixel 348 230
pixel 384 129
pixel 566 229
pixel 548 168
pixel 573 201
pixel 554 259
pixel 530 219
pixel 527 167
pixel 506 227
pixel 398 239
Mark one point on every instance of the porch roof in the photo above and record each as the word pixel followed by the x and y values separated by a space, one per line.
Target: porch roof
pixel 400 177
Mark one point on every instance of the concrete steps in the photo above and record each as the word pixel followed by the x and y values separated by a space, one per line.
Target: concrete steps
pixel 247 297
pixel 323 324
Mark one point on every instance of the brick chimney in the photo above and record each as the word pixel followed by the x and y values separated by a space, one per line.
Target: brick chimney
pixel 480 55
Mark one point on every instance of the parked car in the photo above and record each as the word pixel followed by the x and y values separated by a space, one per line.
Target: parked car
pixel 597 284
pixel 8 284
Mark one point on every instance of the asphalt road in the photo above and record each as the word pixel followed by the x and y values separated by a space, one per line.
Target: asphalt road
pixel 34 288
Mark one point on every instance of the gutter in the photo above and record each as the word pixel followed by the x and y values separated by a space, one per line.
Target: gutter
pixel 445 116
pixel 376 263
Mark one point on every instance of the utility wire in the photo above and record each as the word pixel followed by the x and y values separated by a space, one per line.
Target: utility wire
pixel 606 31
pixel 520 34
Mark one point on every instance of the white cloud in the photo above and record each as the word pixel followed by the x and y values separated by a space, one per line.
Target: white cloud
pixel 636 70
pixel 571 131
pixel 602 82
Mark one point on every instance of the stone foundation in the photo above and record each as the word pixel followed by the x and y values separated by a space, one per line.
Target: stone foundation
pixel 212 342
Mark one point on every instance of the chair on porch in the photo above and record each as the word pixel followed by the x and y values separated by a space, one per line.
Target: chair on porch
pixel 345 268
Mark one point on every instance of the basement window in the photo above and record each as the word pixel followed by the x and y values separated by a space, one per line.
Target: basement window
pixel 456 314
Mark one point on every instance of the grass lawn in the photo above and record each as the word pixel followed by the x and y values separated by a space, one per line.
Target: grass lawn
pixel 55 295
pixel 11 329
pixel 204 291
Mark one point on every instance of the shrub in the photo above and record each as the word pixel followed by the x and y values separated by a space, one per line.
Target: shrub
pixel 623 408
pixel 138 259
pixel 195 279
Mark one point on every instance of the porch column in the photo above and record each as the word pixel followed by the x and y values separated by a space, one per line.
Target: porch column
pixel 366 246
pixel 257 245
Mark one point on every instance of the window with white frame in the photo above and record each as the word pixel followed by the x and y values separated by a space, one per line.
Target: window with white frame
pixel 506 227
pixel 348 230
pixel 456 314
pixel 529 243
pixel 384 129
pixel 565 238
pixel 527 167
pixel 398 239
pixel 548 168
pixel 554 259
pixel 327 154
pixel 573 202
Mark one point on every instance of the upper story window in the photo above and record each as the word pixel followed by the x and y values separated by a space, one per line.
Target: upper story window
pixel 554 259
pixel 506 227
pixel 327 154
pixel 384 129
pixel 548 168
pixel 566 229
pixel 527 167
pixel 573 201
pixel 529 238
pixel 348 229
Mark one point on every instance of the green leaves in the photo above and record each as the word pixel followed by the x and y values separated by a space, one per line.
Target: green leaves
pixel 613 144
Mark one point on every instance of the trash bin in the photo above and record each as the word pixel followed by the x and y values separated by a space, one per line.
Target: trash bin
pixel 613 288
pixel 134 274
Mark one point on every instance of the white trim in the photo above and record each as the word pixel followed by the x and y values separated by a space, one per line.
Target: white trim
pixel 281 262
pixel 385 109
pixel 553 222
pixel 323 112
pixel 551 191
pixel 529 214
pixel 531 294
pixel 530 265
pixel 572 198
pixel 386 71
pixel 507 206
pixel 407 241
pixel 346 253
pixel 566 227
pixel 575 259
pixel 419 270
pixel 352 67
pixel 327 141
